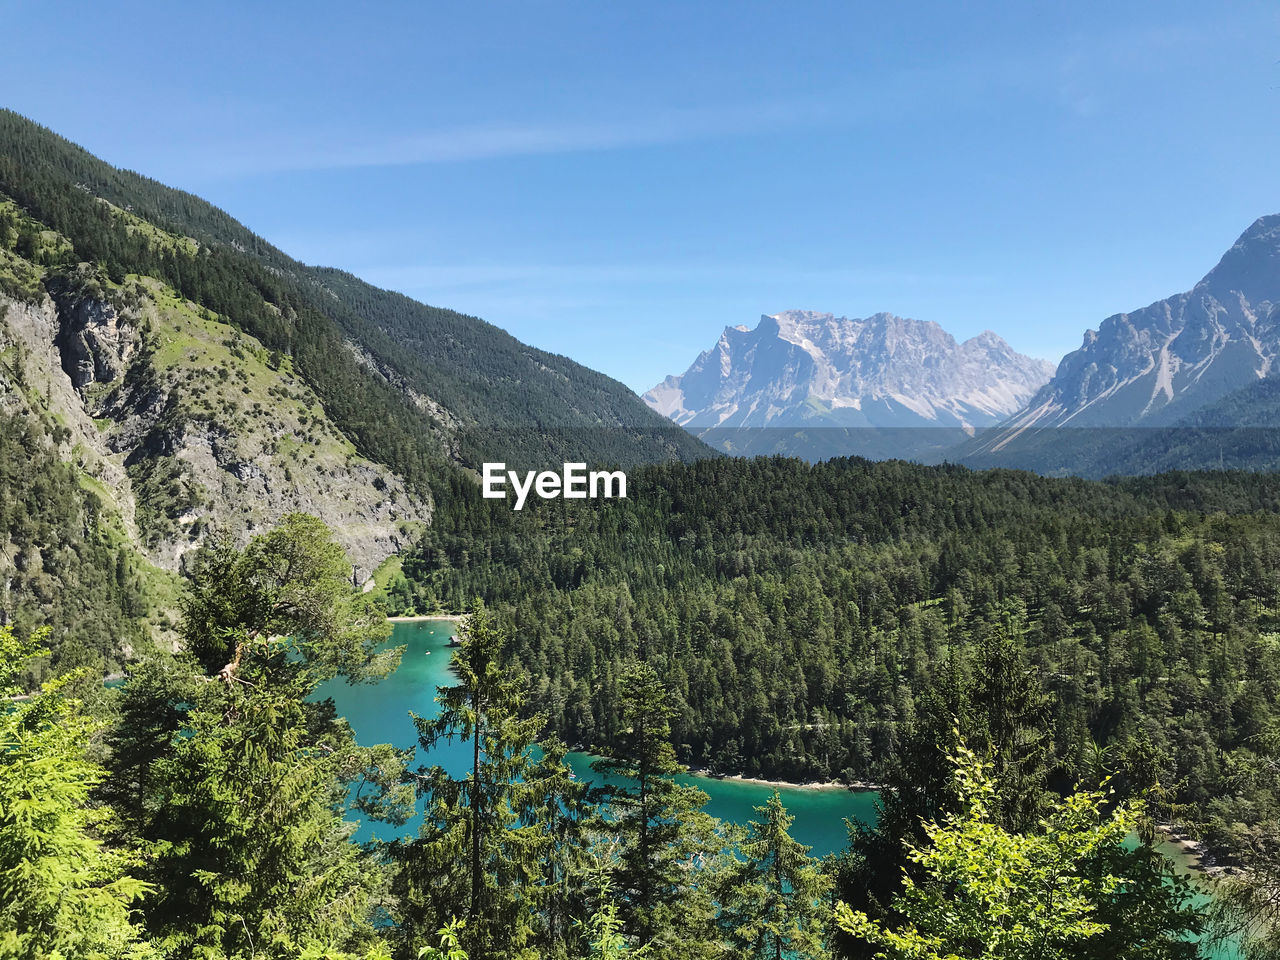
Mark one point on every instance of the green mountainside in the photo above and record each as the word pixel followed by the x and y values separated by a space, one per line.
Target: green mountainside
pixel 394 375
pixel 196 380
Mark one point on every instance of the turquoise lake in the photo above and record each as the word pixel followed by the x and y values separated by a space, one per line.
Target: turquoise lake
pixel 379 713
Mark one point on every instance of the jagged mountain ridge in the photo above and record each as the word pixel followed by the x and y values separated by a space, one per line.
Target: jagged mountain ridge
pixel 806 369
pixel 1159 367
pixel 1161 363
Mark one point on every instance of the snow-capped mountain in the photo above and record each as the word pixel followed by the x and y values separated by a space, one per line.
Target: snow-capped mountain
pixel 805 369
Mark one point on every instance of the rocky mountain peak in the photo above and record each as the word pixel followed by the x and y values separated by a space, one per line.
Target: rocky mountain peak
pixel 1157 365
pixel 1252 266
pixel 810 368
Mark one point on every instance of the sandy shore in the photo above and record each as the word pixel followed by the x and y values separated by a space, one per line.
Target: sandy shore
pixel 857 786
pixel 1191 855
pixel 443 617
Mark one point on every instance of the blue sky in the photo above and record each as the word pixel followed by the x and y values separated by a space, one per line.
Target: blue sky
pixel 619 181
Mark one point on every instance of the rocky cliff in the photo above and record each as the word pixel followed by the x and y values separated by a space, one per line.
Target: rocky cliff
pixel 1131 399
pixel 814 370
pixel 186 425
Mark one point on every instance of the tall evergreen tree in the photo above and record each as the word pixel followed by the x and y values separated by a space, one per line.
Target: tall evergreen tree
pixel 480 853
pixel 239 779
pixel 774 905
pixel 664 838
pixel 561 812
pixel 1010 718
pixel 250 852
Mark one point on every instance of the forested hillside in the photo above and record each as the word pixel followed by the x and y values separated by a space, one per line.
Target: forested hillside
pixel 197 812
pixel 199 380
pixel 411 385
pixel 67 564
pixel 802 615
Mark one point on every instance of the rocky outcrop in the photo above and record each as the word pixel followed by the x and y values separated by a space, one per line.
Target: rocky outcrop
pixel 94 343
pixel 186 426
pixel 1158 365
pixel 805 369
pixel 37 384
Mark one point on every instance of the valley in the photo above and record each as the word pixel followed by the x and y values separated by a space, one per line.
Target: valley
pixel 222 470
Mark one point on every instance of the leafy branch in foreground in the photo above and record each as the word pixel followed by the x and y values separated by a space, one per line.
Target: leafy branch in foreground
pixel 1055 893
pixel 63 892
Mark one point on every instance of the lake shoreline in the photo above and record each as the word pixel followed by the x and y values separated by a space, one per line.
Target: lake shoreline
pixel 1192 854
pixel 425 618
pixel 858 786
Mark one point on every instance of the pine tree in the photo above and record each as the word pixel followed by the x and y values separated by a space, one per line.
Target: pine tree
pixel 1010 713
pixel 287 600
pixel 250 853
pixel 773 905
pixel 663 836
pixel 63 893
pixel 480 855
pixel 560 811
pixel 238 778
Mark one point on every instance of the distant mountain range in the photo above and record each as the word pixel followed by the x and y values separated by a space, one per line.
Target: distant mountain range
pixel 1185 383
pixel 816 384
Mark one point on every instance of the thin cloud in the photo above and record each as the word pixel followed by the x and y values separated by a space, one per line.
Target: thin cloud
pixel 502 140
pixel 938 87
pixel 456 276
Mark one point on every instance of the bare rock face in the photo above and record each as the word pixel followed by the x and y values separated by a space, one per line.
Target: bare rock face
pixel 805 369
pixel 1158 365
pixel 191 428
pixel 34 330
pixel 95 343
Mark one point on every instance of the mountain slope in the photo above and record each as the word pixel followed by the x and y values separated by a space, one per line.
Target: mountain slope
pixel 406 383
pixel 174 377
pixel 182 423
pixel 849 384
pixel 1158 367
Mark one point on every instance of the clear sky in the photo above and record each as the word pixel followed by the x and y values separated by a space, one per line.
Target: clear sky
pixel 619 181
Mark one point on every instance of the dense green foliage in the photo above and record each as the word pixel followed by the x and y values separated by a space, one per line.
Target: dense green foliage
pixel 63 564
pixel 64 894
pixel 233 782
pixel 226 786
pixel 803 615
pixel 1050 893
